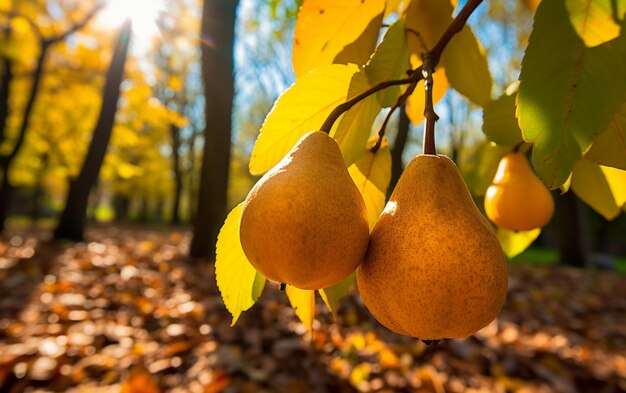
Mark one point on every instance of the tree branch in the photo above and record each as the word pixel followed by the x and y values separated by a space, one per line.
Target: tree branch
pixel 416 75
pixel 76 26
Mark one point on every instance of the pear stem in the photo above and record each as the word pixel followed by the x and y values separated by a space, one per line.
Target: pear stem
pixel 429 110
pixel 415 75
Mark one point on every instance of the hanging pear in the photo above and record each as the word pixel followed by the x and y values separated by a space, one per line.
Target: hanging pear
pixel 305 223
pixel 434 268
pixel 517 200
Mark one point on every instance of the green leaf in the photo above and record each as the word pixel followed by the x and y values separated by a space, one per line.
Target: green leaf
pixel 389 61
pixel 355 126
pixel 239 283
pixel 303 107
pixel 595 21
pixel 499 121
pixel 303 303
pixel 609 148
pixel 480 172
pixel 332 295
pixel 466 67
pixel 516 242
pixel 568 93
pixel 372 174
pixel 329 31
pixel 602 188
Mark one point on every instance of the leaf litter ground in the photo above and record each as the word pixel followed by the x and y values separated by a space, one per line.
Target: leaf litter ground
pixel 127 312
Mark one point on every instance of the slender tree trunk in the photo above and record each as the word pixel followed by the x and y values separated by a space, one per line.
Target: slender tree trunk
pixel 72 222
pixel 6 161
pixel 218 22
pixel 144 211
pixel 397 166
pixel 5 88
pixel 121 205
pixel 93 201
pixel 193 201
pixel 572 245
pixel 178 176
pixel 35 212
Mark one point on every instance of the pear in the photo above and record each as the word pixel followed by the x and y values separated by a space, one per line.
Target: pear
pixel 517 199
pixel 305 223
pixel 434 268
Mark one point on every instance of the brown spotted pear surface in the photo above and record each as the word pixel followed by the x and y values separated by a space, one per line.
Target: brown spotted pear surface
pixel 434 268
pixel 305 223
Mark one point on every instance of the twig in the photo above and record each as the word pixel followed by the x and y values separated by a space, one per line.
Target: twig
pixel 456 26
pixel 415 75
pixel 399 103
pixel 341 108
pixel 381 131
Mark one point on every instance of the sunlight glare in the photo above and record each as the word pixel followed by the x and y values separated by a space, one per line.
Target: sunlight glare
pixel 142 13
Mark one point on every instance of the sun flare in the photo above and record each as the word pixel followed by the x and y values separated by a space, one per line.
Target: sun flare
pixel 142 13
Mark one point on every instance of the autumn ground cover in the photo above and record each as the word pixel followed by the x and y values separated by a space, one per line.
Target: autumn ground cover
pixel 126 310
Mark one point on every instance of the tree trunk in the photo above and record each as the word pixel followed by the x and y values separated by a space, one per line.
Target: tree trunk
pixel 178 176
pixel 144 211
pixel 7 160
pixel 218 23
pixel 572 245
pixel 397 165
pixel 121 204
pixel 191 181
pixel 72 222
pixel 35 212
pixel 5 87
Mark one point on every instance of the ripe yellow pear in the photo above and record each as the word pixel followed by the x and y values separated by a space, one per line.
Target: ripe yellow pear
pixel 305 223
pixel 434 268
pixel 517 200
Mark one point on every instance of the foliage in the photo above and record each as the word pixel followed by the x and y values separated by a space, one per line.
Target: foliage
pixel 566 107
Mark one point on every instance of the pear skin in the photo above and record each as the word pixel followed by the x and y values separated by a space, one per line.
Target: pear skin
pixel 305 223
pixel 517 200
pixel 434 267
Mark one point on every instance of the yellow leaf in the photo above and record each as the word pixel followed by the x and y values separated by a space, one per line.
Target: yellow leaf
pixel 466 67
pixel 415 103
pixel 239 283
pixel 394 6
pixel 303 303
pixel 19 25
pixel 300 109
pixel 515 242
pixel 616 179
pixel 139 381
pixel 127 171
pixel 532 4
pixel 426 20
pixel 609 147
pixel 594 20
pixel 175 83
pixel 326 28
pixel 332 295
pixel 371 174
pixel 355 126
pixel 603 188
pixel 360 373
pixel 463 59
